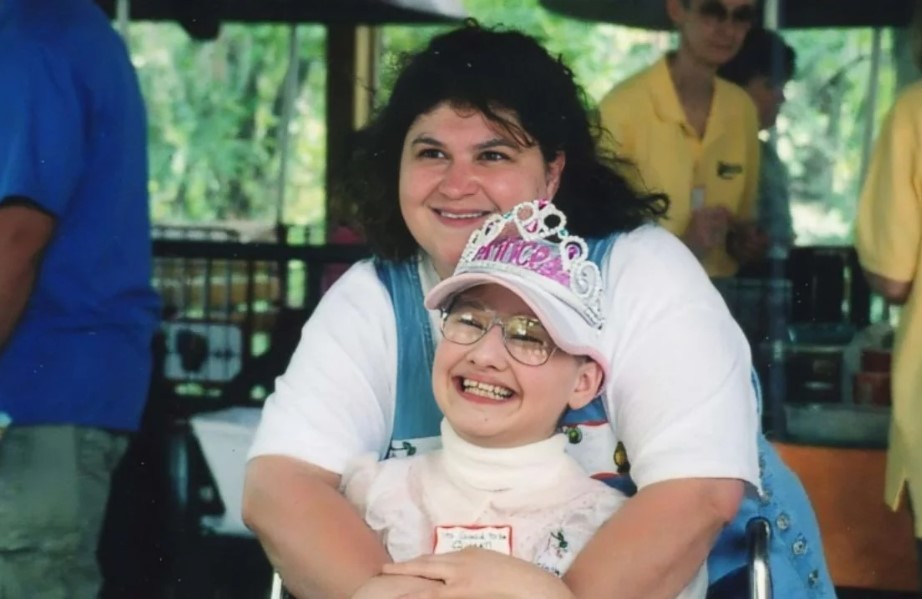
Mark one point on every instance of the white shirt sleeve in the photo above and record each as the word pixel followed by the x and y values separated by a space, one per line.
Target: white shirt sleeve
pixel 680 392
pixel 336 398
pixel 359 477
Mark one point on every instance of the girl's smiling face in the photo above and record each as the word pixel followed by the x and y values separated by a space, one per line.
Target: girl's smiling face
pixel 457 168
pixel 492 400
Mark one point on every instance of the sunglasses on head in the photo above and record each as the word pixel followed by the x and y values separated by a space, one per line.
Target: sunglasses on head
pixel 715 11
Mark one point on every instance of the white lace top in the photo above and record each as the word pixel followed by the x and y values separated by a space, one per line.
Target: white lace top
pixel 546 500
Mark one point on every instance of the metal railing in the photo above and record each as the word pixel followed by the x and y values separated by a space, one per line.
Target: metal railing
pixel 233 310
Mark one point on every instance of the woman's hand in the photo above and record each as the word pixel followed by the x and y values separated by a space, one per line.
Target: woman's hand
pixel 476 573
pixel 387 586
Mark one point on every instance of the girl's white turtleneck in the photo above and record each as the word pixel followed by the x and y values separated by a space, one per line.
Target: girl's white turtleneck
pixel 523 468
pixel 546 499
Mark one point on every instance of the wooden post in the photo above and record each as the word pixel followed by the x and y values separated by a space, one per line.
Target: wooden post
pixel 352 58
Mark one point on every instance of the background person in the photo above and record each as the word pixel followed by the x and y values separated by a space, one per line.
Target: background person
pixel 694 136
pixel 77 312
pixel 888 238
pixel 477 121
pixel 763 67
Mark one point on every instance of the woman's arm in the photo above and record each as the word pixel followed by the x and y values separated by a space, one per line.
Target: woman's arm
pixel 895 292
pixel 475 572
pixel 682 403
pixel 746 241
pixel 387 586
pixel 654 545
pixel 888 230
pixel 334 402
pixel 314 538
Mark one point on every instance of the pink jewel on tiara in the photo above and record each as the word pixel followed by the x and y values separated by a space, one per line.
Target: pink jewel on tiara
pixel 532 240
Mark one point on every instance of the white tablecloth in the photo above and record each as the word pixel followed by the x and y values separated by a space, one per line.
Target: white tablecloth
pixel 225 438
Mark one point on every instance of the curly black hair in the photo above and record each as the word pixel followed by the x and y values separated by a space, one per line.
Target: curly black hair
pixel 498 73
pixel 764 53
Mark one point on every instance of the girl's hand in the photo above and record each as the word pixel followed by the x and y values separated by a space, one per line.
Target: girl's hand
pixel 477 573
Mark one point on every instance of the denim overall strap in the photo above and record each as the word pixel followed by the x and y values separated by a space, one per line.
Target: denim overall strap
pixel 416 415
pixel 589 429
pixel 599 249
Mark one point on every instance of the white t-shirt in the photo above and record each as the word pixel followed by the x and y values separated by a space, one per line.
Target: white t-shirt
pixel 679 395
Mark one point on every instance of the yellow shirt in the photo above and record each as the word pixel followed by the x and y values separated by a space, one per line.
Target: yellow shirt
pixel 649 127
pixel 889 243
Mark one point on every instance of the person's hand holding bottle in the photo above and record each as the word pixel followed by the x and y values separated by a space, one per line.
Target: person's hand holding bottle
pixel 707 229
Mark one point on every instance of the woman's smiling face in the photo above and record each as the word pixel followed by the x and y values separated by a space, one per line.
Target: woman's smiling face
pixel 492 400
pixel 457 168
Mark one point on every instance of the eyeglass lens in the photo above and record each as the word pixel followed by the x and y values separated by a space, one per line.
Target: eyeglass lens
pixel 525 338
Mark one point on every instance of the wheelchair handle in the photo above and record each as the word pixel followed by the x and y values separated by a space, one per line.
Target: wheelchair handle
pixel 758 536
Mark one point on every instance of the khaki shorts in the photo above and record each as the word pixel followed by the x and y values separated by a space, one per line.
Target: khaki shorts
pixel 54 484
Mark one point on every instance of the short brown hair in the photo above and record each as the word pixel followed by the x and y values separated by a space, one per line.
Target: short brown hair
pixel 764 53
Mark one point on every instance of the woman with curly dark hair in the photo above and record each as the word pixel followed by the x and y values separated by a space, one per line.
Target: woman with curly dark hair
pixel 465 71
pixel 480 121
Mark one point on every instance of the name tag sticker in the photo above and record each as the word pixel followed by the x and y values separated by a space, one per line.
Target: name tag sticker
pixel 456 538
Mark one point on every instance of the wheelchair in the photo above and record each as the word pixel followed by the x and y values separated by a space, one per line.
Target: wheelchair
pixel 196 504
pixel 753 582
pixel 201 540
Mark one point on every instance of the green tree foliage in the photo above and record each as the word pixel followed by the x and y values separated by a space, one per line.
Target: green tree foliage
pixel 214 111
pixel 823 130
pixel 599 54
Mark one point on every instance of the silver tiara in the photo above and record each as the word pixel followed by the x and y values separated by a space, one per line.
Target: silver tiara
pixel 532 239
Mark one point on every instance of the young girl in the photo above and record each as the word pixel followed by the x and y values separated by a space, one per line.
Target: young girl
pixel 521 321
